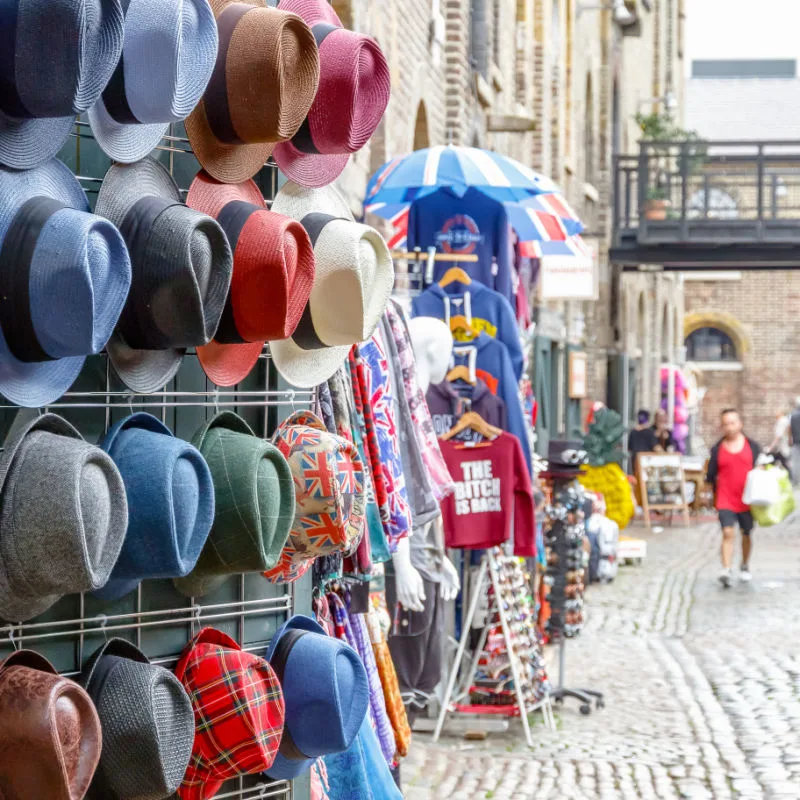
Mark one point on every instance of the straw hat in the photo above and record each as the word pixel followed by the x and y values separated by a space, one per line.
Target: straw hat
pixel 169 54
pixel 352 285
pixel 262 87
pixel 354 90
pixel 273 271
pixel 58 56
pixel 182 266
pixel 65 277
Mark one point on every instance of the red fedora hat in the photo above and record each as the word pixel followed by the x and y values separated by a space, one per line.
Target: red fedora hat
pixel 273 271
pixel 354 90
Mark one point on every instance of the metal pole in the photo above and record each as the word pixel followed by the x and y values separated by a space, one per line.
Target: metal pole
pixel 462 646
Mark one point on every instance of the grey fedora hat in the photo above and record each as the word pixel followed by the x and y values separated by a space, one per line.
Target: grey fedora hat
pixel 181 266
pixel 147 721
pixel 63 515
pixel 56 57
pixel 167 60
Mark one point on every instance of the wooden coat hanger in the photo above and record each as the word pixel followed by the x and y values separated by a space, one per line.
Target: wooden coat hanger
pixel 461 373
pixel 461 323
pixel 477 423
pixel 455 274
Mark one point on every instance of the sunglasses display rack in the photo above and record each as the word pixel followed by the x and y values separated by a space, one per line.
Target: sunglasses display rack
pixel 564 540
pixel 506 676
pixel 155 617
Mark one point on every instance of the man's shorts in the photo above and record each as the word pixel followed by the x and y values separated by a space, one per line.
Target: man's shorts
pixel 730 519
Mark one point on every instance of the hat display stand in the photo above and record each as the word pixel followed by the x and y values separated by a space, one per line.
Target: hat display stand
pixel 564 536
pixel 527 690
pixel 155 617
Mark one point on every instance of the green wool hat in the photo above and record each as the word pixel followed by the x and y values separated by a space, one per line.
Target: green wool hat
pixel 254 504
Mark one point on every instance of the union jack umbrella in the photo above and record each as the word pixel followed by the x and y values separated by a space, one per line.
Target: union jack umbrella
pixel 572 250
pixel 545 218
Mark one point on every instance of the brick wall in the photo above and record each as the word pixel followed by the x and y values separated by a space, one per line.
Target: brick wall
pixel 762 312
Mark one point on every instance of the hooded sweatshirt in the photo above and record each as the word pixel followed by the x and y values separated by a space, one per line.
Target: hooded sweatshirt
pixel 489 359
pixel 487 309
pixel 448 402
pixel 440 220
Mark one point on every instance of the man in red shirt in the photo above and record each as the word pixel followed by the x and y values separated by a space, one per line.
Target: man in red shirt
pixel 732 457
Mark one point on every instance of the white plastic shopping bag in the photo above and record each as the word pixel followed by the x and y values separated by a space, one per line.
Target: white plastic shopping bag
pixel 762 487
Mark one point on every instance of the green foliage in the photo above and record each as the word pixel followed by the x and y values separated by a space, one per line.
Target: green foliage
pixel 660 126
pixel 603 442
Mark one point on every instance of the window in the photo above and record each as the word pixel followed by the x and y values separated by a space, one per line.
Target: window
pixel 710 344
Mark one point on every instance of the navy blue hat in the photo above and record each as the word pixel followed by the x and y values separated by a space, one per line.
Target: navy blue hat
pixel 170 500
pixel 325 690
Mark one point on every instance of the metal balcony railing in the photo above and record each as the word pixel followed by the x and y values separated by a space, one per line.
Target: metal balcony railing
pixel 708 193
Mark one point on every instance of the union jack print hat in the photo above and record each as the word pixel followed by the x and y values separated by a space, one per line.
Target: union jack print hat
pixel 330 501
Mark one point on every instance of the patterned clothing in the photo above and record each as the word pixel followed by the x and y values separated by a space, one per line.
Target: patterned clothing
pixel 238 711
pixel 383 726
pixel 391 689
pixel 421 494
pixel 379 395
pixel 423 424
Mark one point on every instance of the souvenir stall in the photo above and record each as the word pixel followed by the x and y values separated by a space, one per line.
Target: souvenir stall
pixel 194 458
pixel 462 231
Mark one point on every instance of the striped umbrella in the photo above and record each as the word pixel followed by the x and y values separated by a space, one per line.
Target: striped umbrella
pixel 411 177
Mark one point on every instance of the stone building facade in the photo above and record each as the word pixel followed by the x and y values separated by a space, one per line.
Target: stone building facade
pixel 554 84
pixel 756 313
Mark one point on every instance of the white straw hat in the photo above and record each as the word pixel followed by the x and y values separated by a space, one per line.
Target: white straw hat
pixel 352 285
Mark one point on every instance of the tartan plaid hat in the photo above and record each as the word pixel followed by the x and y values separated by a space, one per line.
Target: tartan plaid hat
pixel 329 494
pixel 238 712
pixel 254 504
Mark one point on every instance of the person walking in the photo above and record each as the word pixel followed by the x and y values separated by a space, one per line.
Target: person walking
pixel 732 457
pixel 794 432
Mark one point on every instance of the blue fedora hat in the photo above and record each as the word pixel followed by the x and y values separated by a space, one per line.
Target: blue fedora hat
pixel 64 278
pixel 169 54
pixel 170 501
pixel 56 57
pixel 325 690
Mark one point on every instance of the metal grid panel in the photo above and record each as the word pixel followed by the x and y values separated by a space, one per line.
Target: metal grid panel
pixel 156 617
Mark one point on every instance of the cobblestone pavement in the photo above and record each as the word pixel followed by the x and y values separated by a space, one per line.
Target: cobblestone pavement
pixel 702 690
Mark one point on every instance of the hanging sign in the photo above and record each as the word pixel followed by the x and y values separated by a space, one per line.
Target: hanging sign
pixel 568 275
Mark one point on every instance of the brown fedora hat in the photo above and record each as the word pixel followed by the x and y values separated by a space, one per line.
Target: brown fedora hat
pixel 263 85
pixel 50 739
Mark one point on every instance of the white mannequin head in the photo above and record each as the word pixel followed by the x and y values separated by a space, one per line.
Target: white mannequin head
pixel 433 349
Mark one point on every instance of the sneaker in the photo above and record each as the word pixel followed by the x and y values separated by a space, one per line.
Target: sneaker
pixel 744 574
pixel 725 578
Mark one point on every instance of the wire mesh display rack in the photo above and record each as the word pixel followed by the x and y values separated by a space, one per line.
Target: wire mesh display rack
pixel 155 617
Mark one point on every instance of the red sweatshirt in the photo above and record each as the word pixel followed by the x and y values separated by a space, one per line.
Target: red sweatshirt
pixel 493 489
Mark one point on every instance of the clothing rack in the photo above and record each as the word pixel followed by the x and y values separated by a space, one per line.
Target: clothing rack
pixel 488 574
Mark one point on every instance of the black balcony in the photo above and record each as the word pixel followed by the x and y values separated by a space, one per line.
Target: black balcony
pixel 708 205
